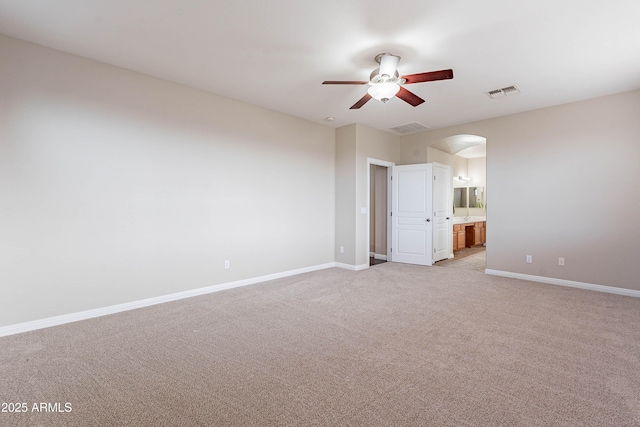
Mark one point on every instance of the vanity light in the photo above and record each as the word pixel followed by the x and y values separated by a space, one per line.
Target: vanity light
pixel 462 178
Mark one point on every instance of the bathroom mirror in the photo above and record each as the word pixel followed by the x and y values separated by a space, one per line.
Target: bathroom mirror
pixel 476 197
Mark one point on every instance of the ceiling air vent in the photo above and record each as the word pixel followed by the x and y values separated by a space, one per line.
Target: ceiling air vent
pixel 505 91
pixel 409 128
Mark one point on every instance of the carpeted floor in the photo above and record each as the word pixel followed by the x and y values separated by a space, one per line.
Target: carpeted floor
pixel 393 345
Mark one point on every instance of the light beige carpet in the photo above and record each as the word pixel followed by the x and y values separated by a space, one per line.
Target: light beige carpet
pixel 394 345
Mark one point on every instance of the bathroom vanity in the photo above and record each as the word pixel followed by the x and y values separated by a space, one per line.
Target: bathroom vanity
pixel 469 232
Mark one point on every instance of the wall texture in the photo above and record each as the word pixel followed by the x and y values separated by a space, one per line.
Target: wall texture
pixel 116 187
pixel 560 180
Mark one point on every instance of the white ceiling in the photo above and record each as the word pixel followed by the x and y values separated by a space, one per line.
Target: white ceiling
pixel 276 53
pixel 468 146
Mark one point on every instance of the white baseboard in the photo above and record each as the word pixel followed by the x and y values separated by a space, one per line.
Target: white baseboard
pixel 362 267
pixel 351 266
pixel 380 256
pixel 569 283
pixel 104 311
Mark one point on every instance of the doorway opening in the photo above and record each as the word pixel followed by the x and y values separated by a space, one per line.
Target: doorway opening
pixel 379 211
pixel 469 174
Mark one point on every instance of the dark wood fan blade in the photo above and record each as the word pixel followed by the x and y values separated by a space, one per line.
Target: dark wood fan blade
pixel 409 97
pixel 360 103
pixel 343 82
pixel 428 77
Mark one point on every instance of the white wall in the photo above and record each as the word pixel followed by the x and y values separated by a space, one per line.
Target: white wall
pixel 477 171
pixel 547 155
pixel 116 187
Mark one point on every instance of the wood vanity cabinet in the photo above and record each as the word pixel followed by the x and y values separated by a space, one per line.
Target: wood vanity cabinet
pixel 469 235
pixel 459 237
pixel 456 229
pixel 479 233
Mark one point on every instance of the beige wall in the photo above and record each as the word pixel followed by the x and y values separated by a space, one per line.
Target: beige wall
pixel 375 144
pixel 117 187
pixel 549 155
pixel 355 145
pixel 345 204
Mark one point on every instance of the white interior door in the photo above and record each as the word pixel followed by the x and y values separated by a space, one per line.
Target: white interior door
pixel 411 221
pixel 442 226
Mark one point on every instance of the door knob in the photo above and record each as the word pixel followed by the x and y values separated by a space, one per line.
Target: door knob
pixel 428 220
pixel 448 218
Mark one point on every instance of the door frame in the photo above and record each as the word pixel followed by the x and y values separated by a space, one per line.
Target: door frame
pixel 389 166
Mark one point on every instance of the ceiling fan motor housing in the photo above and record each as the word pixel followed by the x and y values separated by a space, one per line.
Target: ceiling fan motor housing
pixel 375 78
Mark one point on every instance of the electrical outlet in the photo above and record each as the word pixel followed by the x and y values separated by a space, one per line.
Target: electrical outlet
pixel 561 261
pixel 227 265
pixel 529 259
pixel 341 249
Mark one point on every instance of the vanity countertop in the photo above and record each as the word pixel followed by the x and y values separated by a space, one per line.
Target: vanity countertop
pixel 470 220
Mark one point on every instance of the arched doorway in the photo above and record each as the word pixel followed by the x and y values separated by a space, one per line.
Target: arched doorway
pixel 468 170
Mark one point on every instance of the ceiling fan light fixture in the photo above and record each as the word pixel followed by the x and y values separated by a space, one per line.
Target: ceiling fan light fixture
pixel 383 91
pixel 388 64
pixel 385 82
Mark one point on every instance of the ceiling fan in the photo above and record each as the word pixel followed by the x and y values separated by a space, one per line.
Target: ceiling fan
pixel 385 82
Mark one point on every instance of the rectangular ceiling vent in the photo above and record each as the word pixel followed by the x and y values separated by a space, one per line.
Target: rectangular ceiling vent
pixel 409 128
pixel 505 91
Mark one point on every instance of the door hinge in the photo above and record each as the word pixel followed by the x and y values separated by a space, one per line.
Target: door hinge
pixel 434 250
pixel 390 249
pixel 391 213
